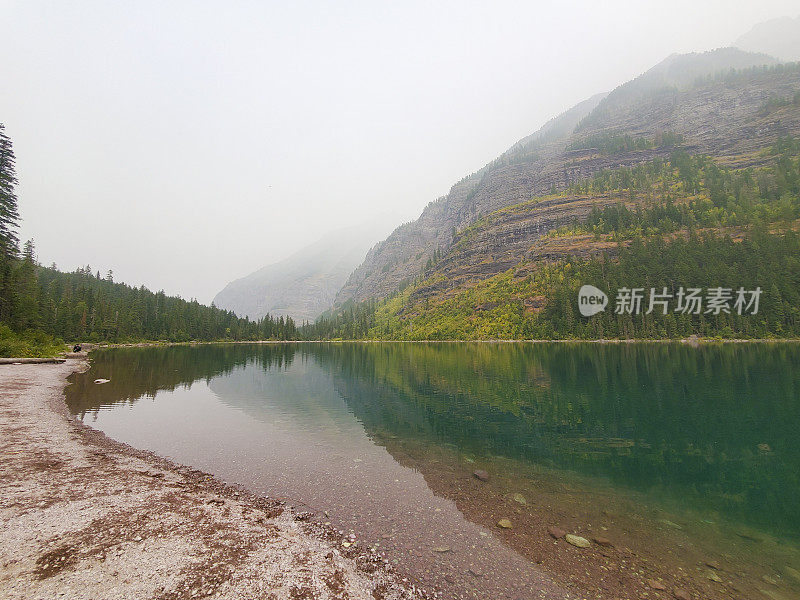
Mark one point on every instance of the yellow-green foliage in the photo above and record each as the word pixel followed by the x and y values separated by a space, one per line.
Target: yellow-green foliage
pixel 473 374
pixel 493 308
pixel 29 344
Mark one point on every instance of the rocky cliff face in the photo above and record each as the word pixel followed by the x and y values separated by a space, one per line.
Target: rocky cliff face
pixel 302 286
pixel 696 96
pixel 507 180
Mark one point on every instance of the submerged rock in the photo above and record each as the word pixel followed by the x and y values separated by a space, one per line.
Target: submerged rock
pixel 656 584
pixel 681 594
pixel 481 474
pixel 713 576
pixel 601 541
pixel 769 579
pixel 577 541
pixel 556 532
pixel 792 572
pixel 774 594
pixel 669 523
pixel 504 523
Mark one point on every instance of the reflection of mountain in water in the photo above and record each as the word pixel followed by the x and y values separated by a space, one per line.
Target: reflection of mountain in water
pixel 716 426
pixel 438 416
pixel 302 393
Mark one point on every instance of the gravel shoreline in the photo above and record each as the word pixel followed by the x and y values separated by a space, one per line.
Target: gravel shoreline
pixel 84 516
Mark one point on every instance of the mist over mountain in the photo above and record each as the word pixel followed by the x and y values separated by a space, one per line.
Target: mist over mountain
pixel 303 285
pixel 777 37
pixel 690 171
pixel 687 95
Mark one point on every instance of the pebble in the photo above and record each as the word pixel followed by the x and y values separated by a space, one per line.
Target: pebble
pixel 681 594
pixel 520 499
pixel 769 579
pixel 601 541
pixel 713 576
pixel 792 572
pixel 656 585
pixel 481 474
pixel 556 532
pixel 504 523
pixel 577 541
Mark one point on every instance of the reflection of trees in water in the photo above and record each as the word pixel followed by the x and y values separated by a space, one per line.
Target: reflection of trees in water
pixel 665 416
pixel 685 421
pixel 141 372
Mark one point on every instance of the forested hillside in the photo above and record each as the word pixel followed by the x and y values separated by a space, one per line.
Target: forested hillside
pixel 83 306
pixel 683 222
pixel 41 307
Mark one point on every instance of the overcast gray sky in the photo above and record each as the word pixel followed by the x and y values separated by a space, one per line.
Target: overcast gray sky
pixel 185 144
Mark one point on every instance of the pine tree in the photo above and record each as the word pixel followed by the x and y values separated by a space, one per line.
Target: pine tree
pixel 9 220
pixel 25 289
pixel 9 215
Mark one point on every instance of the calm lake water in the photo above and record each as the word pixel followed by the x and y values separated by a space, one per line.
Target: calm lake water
pixel 702 444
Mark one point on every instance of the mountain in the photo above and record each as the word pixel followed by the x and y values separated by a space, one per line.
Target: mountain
pixel 688 175
pixel 778 37
pixel 303 285
pixel 710 100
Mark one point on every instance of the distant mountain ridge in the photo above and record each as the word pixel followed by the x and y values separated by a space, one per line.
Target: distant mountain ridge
pixel 674 73
pixel 303 285
pixel 778 37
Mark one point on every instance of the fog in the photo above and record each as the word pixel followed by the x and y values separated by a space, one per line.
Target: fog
pixel 184 144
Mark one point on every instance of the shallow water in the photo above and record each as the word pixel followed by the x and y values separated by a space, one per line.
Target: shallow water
pixel 381 439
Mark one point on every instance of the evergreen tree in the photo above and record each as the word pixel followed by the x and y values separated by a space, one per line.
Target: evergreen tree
pixel 9 220
pixel 9 215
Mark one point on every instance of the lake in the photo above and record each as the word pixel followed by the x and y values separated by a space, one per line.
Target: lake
pixel 686 460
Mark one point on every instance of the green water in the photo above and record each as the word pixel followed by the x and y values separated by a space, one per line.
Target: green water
pixel 684 454
pixel 716 428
